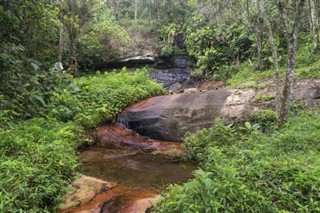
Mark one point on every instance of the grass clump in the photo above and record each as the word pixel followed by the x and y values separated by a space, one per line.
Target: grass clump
pixel 263 98
pixel 38 155
pixel 243 169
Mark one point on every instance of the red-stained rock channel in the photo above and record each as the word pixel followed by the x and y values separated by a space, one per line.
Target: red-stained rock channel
pixel 125 172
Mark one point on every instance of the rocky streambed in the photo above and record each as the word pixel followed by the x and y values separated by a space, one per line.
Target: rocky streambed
pixel 125 172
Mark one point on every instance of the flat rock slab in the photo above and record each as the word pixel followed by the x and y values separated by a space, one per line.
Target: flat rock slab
pixel 83 190
pixel 116 136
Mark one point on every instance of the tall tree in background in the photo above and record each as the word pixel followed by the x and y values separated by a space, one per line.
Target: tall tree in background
pixel 91 30
pixel 292 38
pixel 314 24
pixel 283 100
pixel 274 51
pixel 61 37
pixel 253 23
pixel 135 9
pixel 71 22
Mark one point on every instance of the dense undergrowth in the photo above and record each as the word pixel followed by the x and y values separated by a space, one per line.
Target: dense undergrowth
pixel 38 155
pixel 307 66
pixel 252 167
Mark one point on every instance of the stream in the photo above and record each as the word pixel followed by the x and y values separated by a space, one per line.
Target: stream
pixel 141 167
pixel 138 167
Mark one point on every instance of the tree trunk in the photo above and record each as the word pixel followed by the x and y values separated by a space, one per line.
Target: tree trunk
pixel 135 9
pixel 257 27
pixel 258 38
pixel 158 9
pixel 73 66
pixel 254 26
pixel 71 27
pixel 292 46
pixel 274 51
pixel 61 43
pixel 149 11
pixel 314 25
pixel 61 39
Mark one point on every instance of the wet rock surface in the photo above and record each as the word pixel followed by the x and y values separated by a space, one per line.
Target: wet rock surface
pixel 181 62
pixel 83 190
pixel 308 91
pixel 116 136
pixel 173 79
pixel 132 61
pixel 174 73
pixel 127 160
pixel 170 117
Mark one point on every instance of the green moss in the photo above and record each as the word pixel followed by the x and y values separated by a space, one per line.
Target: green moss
pixel 263 98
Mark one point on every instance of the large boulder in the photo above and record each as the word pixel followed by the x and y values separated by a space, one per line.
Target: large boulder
pixel 170 117
pixel 308 91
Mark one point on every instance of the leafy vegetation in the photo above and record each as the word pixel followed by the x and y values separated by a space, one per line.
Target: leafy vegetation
pixel 37 160
pixel 245 170
pixel 256 165
pixel 307 67
pixel 215 46
pixel 38 156
pixel 102 96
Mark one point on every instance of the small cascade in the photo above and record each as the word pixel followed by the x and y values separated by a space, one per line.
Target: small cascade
pixel 170 76
pixel 123 122
pixel 174 79
pixel 174 74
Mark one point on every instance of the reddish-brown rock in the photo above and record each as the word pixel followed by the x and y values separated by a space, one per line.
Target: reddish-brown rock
pixel 83 190
pixel 116 136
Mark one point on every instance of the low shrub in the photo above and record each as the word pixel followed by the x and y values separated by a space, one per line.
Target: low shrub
pixel 252 171
pixel 37 160
pixel 38 156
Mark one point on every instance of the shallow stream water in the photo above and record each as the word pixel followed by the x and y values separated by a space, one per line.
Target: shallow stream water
pixel 139 173
pixel 133 168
